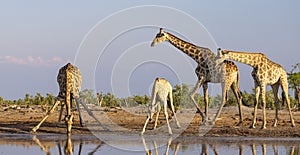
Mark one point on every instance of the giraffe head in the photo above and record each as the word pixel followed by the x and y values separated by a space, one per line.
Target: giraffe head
pixel 151 111
pixel 160 37
pixel 222 55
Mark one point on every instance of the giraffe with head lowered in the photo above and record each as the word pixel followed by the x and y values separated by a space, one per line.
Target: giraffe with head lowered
pixel 207 71
pixel 69 80
pixel 265 72
pixel 161 92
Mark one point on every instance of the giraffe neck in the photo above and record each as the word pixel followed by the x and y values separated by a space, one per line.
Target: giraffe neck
pixel 251 59
pixel 195 52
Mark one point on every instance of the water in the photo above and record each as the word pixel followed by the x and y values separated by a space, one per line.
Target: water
pixel 82 145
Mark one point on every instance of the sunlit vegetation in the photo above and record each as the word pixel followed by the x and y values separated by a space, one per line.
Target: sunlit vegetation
pixel 181 99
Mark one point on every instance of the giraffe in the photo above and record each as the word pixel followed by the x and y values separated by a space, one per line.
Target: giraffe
pixel 207 71
pixel 162 90
pixel 265 72
pixel 69 80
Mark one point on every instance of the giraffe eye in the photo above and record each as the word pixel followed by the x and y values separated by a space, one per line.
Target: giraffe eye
pixel 160 35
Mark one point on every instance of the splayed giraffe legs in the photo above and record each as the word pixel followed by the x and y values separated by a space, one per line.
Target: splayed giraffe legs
pixel 48 114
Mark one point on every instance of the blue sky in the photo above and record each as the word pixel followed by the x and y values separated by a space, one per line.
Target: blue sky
pixel 37 38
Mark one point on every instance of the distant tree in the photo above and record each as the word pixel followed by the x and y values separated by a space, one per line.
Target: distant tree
pixel 181 97
pixel 1 100
pixel 110 100
pixel 248 98
pixel 141 100
pixel 88 96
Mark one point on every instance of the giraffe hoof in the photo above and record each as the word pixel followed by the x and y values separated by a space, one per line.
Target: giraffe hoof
pixel 252 126
pixel 33 130
pixel 263 127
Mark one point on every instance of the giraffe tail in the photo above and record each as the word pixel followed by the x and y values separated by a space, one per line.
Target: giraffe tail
pixel 283 98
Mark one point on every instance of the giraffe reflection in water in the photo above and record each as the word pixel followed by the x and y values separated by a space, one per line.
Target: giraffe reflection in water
pixel 67 145
pixel 219 146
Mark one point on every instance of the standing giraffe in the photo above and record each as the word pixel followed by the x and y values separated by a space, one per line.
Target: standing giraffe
pixel 265 72
pixel 207 71
pixel 162 90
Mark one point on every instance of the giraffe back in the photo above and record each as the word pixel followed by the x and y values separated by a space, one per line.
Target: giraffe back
pixel 69 79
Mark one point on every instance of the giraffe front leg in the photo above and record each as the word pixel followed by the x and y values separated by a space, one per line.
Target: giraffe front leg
pixel 263 97
pixel 275 92
pixel 257 92
pixel 145 125
pixel 224 98
pixel 69 115
pixel 79 112
pixel 48 114
pixel 197 86
pixel 167 117
pixel 60 114
pixel 206 102
pixel 157 115
pixel 173 109
pixel 69 122
pixel 285 90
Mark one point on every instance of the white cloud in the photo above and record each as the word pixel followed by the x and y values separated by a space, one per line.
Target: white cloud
pixel 31 60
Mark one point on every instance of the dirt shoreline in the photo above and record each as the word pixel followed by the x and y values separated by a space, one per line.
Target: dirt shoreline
pixel 21 119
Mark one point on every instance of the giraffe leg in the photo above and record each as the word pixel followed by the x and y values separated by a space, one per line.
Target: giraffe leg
pixel 91 113
pixel 157 115
pixel 224 98
pixel 257 92
pixel 284 86
pixel 48 114
pixel 197 86
pixel 60 114
pixel 167 117
pixel 78 109
pixel 206 100
pixel 275 92
pixel 150 115
pixel 263 97
pixel 68 116
pixel 145 125
pixel 238 97
pixel 173 109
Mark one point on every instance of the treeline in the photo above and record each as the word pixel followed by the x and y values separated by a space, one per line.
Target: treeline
pixel 181 99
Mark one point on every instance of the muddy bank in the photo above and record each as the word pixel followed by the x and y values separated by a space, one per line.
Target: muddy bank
pixel 20 120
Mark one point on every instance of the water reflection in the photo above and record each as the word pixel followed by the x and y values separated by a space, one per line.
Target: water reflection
pixel 228 146
pixel 61 144
pixel 174 146
pixel 67 146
